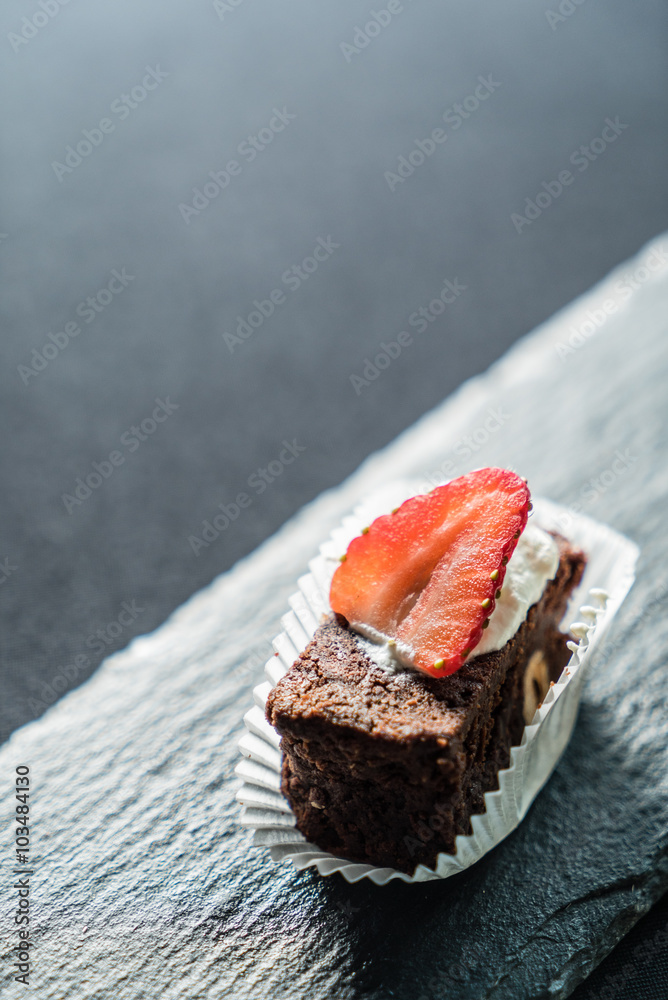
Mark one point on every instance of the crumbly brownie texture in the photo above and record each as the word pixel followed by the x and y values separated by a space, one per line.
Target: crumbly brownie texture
pixel 388 768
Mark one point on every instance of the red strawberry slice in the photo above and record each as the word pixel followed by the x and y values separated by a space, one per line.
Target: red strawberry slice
pixel 428 574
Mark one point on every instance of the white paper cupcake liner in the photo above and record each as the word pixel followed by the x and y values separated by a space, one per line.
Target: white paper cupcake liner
pixel 608 576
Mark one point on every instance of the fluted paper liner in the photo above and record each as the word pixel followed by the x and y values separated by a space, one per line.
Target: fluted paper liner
pixel 607 579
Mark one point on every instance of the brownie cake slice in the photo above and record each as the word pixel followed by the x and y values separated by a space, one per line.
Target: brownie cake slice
pixel 388 767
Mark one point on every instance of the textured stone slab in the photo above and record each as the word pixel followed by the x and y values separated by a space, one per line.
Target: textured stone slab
pixel 144 883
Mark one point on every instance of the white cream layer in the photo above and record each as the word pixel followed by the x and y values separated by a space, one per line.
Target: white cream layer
pixel 532 564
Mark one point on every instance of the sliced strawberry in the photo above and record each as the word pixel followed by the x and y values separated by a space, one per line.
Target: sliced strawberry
pixel 427 575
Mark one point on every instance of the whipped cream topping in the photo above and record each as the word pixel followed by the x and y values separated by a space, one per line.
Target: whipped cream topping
pixel 534 562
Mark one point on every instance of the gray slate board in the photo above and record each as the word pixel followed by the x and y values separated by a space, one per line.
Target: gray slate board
pixel 146 887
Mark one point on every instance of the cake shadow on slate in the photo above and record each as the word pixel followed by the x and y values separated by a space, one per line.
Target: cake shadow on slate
pixel 385 763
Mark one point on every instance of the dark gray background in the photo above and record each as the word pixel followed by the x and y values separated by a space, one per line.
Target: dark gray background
pixel 322 176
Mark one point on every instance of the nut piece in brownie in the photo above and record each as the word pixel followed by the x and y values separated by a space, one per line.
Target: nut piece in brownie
pixel 387 768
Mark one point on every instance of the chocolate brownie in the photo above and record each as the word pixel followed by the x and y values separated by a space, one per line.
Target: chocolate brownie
pixel 387 768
